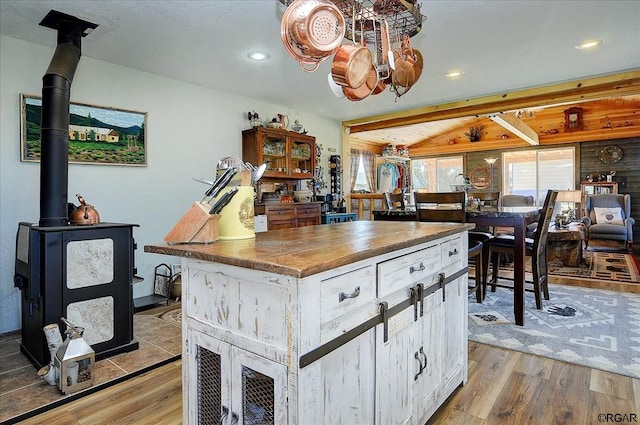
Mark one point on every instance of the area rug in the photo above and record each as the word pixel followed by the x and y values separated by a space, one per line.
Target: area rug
pixel 590 327
pixel 611 266
pixel 173 316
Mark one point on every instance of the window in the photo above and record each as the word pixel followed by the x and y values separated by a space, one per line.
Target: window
pixel 533 172
pixel 361 179
pixel 435 174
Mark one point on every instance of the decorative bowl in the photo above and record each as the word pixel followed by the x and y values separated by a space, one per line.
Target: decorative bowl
pixel 302 195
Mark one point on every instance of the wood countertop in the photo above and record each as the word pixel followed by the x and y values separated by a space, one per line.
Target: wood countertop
pixel 305 251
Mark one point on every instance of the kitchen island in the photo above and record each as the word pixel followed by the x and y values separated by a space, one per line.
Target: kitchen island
pixel 354 323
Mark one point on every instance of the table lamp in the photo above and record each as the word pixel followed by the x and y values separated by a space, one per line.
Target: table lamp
pixel 566 204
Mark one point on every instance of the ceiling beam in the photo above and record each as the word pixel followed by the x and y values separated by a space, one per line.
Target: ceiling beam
pixel 516 126
pixel 620 84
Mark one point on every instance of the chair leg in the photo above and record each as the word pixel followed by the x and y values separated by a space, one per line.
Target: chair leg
pixel 486 251
pixel 537 290
pixel 545 288
pixel 495 267
pixel 479 280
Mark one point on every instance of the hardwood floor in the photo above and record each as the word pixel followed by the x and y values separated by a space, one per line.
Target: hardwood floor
pixel 504 387
pixel 152 398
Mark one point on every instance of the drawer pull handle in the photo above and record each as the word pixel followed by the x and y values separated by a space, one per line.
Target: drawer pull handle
pixel 454 252
pixel 282 212
pixel 343 296
pixel 420 268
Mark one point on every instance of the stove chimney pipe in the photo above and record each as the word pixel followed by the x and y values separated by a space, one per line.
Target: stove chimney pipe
pixel 54 136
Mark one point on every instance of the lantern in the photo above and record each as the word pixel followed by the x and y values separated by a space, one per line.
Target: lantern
pixel 75 361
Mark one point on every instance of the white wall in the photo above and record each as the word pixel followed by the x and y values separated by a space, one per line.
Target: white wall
pixel 189 128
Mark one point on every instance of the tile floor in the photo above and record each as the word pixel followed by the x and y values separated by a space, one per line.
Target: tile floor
pixel 22 390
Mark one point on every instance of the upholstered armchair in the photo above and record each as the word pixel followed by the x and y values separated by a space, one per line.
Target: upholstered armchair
pixel 516 200
pixel 608 217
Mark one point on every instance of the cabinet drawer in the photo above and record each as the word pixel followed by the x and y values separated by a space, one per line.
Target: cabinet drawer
pixel 452 251
pixel 400 272
pixel 345 293
pixel 308 211
pixel 277 213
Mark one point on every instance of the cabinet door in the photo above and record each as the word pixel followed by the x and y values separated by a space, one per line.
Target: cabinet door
pixel 259 390
pixel 227 385
pixel 302 158
pixel 428 331
pixel 396 367
pixel 206 380
pixel 348 382
pixel 455 326
pixel 274 154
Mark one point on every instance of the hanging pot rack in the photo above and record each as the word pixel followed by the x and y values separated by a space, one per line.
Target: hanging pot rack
pixel 402 16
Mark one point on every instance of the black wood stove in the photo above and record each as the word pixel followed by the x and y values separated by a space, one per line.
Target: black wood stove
pixel 83 273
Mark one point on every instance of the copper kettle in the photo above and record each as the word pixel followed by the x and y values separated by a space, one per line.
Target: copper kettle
pixel 84 214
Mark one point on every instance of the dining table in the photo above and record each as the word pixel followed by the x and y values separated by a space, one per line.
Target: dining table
pixel 516 218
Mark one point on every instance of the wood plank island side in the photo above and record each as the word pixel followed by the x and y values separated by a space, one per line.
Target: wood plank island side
pixel 325 323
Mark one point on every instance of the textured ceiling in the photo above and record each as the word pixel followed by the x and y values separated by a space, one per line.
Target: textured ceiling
pixel 500 45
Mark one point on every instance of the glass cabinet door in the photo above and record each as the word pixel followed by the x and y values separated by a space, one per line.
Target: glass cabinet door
pixel 302 152
pixel 274 154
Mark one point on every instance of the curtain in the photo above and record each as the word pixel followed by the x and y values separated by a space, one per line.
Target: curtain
pixel 353 167
pixel 369 164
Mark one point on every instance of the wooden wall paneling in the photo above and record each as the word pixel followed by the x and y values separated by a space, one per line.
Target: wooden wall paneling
pixel 627 171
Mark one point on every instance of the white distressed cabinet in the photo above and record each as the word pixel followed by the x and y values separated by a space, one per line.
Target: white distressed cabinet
pixel 373 341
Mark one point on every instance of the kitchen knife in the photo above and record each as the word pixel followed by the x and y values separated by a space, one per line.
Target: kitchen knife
pixel 222 182
pixel 209 194
pixel 203 180
pixel 223 201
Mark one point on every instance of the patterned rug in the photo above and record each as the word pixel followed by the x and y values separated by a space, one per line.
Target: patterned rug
pixel 173 316
pixel 613 266
pixel 590 327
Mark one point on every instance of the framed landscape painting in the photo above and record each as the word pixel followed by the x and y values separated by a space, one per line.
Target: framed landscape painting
pixel 97 135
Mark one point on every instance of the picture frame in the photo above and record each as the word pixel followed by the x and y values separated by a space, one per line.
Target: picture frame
pixel 97 134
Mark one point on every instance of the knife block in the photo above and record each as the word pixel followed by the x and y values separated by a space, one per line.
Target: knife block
pixel 196 226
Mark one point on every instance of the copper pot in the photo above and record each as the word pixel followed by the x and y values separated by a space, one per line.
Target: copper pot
pixel 406 73
pixel 350 66
pixel 362 92
pixel 312 31
pixel 85 214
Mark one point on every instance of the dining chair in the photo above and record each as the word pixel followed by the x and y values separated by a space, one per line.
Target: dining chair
pixel 489 199
pixel 535 247
pixel 450 206
pixel 516 200
pixel 393 201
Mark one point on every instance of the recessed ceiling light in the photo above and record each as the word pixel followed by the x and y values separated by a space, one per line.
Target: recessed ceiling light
pixel 588 44
pixel 258 56
pixel 453 74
